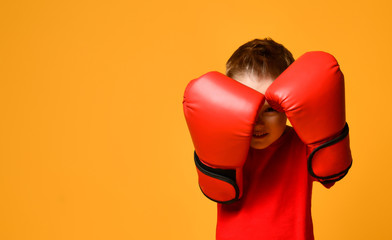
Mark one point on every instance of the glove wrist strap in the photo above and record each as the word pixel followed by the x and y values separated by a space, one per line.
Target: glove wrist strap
pixel 334 177
pixel 217 184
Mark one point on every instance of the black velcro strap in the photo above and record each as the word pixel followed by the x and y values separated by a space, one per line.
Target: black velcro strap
pixel 335 177
pixel 225 175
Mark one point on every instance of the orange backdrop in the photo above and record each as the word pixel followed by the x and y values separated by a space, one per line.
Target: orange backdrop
pixel 93 142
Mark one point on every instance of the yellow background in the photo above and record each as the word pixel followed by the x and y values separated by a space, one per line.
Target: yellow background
pixel 93 142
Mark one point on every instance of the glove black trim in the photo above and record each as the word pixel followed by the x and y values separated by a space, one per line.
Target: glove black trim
pixel 335 177
pixel 226 175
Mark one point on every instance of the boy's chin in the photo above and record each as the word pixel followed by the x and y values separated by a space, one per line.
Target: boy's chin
pixel 266 141
pixel 259 145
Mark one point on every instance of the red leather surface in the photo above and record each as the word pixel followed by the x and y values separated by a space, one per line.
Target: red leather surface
pixel 333 159
pixel 311 93
pixel 220 113
pixel 216 189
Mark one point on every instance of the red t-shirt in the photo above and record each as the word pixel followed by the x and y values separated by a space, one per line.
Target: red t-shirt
pixel 276 200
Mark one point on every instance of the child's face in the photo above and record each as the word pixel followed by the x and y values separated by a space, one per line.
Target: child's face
pixel 270 124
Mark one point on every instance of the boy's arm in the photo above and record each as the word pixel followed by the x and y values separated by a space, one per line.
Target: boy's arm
pixel 311 93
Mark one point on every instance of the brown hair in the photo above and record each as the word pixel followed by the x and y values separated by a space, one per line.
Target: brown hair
pixel 263 57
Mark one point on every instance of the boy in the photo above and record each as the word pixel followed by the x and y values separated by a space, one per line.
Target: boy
pixel 259 170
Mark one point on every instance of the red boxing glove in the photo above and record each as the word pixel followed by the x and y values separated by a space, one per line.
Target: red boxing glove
pixel 311 93
pixel 220 113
